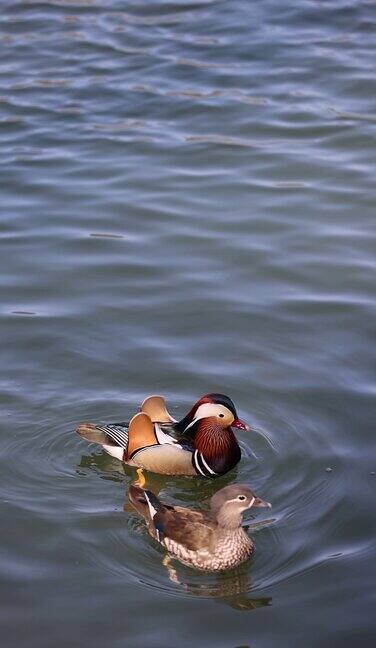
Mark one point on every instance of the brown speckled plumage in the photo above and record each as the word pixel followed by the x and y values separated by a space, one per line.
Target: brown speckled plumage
pixel 212 541
pixel 228 550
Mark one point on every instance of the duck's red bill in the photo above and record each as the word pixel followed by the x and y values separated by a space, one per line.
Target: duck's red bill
pixel 241 425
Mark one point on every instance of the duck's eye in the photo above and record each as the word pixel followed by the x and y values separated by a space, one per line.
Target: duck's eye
pixel 241 498
pixel 221 415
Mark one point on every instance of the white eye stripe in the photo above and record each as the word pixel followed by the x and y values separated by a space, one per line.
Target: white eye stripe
pixel 211 409
pixel 237 500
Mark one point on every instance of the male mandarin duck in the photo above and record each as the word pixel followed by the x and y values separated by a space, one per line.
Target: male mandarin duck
pixel 201 444
pixel 212 541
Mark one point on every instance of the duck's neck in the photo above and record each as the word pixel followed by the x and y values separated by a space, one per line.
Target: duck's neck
pixel 228 520
pixel 217 444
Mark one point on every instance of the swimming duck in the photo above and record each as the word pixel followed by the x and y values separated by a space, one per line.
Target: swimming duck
pixel 201 444
pixel 212 541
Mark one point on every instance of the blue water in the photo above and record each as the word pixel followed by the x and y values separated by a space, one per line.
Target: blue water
pixel 188 205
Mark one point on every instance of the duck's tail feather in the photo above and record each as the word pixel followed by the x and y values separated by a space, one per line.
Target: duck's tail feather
pixel 155 513
pixel 106 435
pixel 137 497
pixel 93 434
pixel 145 502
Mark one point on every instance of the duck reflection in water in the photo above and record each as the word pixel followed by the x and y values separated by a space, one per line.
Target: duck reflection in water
pixel 105 466
pixel 231 588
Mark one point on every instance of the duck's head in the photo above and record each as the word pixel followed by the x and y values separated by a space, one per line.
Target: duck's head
pixel 217 407
pixel 228 504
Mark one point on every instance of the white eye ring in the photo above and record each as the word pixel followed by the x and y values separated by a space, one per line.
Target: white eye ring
pixel 221 415
pixel 241 498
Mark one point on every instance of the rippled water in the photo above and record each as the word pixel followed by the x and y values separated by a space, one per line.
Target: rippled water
pixel 188 205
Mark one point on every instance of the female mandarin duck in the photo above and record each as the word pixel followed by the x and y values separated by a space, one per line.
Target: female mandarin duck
pixel 201 444
pixel 211 541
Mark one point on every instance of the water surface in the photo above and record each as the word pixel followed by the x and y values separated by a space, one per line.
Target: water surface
pixel 188 205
